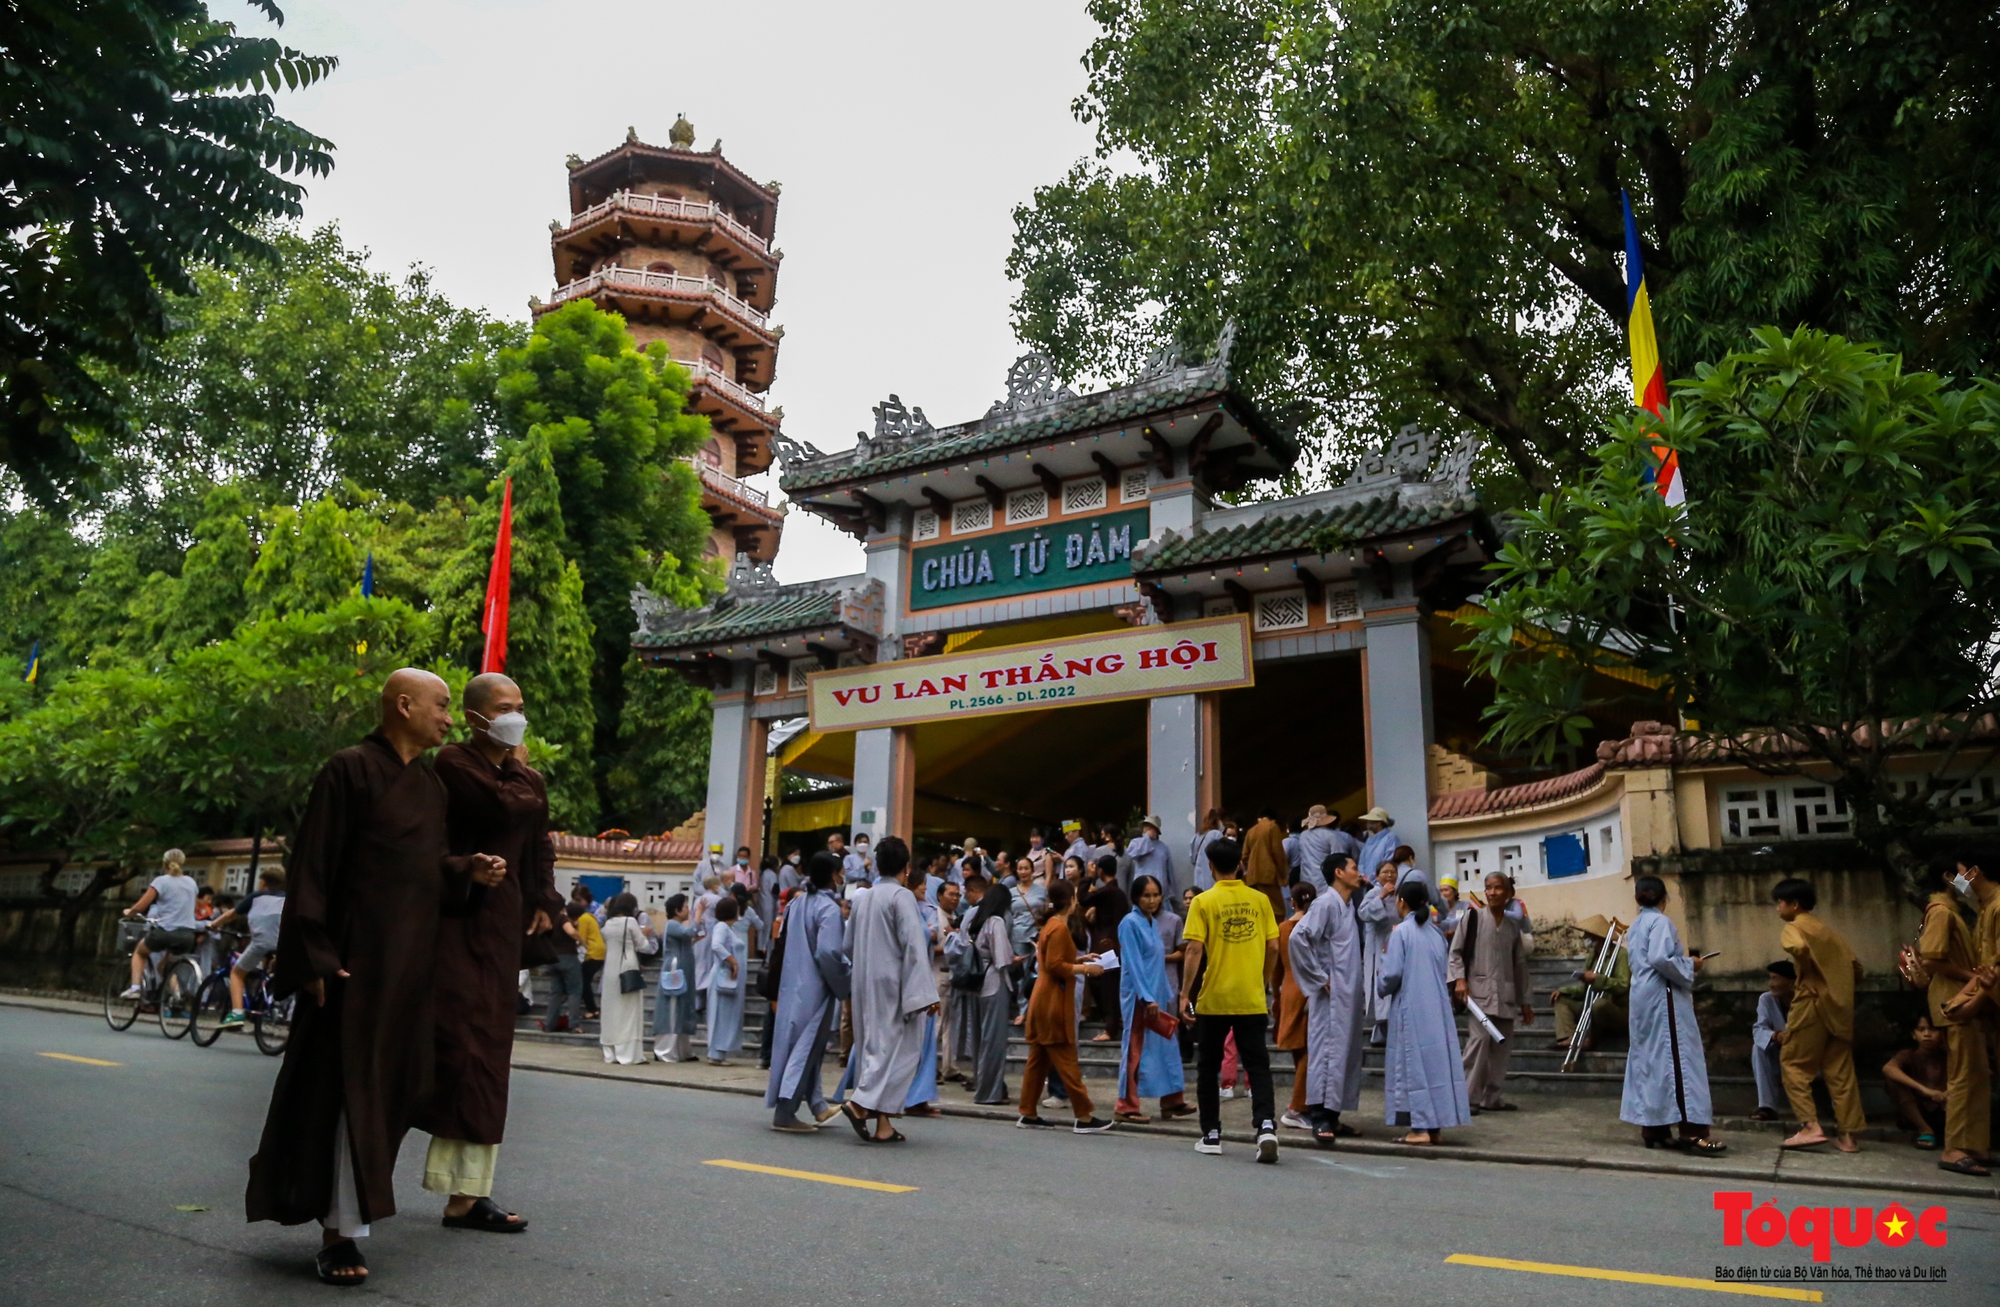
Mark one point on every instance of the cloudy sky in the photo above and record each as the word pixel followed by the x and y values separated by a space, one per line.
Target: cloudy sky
pixel 904 134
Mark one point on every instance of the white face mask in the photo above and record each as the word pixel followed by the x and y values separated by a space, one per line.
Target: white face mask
pixel 506 730
pixel 1962 885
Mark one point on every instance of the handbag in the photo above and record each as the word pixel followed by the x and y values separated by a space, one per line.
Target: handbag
pixel 833 972
pixel 1972 1002
pixel 1910 964
pixel 630 979
pixel 773 974
pixel 1152 1018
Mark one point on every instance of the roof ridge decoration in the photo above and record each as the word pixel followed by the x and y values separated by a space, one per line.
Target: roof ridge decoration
pixel 858 600
pixel 1032 384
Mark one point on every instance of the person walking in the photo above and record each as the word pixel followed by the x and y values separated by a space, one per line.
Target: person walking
pixel 1666 1074
pixel 565 1010
pixel 728 962
pixel 894 991
pixel 1819 1040
pixel 1150 1062
pixel 1051 1018
pixel 1423 1081
pixel 1105 907
pixel 621 1030
pixel 1231 942
pixel 1489 966
pixel 590 929
pixel 812 981
pixel 370 872
pixel 1947 950
pixel 1325 951
pixel 674 1005
pixel 990 931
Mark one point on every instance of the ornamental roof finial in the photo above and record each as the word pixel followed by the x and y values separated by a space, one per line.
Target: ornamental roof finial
pixel 682 133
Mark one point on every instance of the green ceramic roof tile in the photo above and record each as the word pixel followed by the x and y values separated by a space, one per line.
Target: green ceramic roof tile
pixel 742 619
pixel 1383 515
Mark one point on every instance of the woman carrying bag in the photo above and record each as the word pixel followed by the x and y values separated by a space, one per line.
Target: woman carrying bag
pixel 626 940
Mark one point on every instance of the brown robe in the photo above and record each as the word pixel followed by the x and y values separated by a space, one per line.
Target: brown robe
pixel 504 811
pixel 1291 1033
pixel 366 881
pixel 1051 1007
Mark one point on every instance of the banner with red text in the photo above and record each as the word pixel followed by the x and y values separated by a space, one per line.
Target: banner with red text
pixel 1140 663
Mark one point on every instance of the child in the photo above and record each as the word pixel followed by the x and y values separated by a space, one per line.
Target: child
pixel 261 912
pixel 1768 1037
pixel 1917 1080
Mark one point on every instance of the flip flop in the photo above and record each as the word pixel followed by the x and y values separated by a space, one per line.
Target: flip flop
pixel 1928 1143
pixel 1964 1166
pixel 1810 1143
pixel 860 1124
pixel 1411 1141
pixel 487 1215
pixel 338 1257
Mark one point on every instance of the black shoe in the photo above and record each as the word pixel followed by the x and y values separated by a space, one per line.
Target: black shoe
pixel 1093 1126
pixel 1210 1143
pixel 1035 1123
pixel 1267 1142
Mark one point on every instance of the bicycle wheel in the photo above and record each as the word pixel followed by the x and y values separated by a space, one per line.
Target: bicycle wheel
pixel 274 1025
pixel 210 1006
pixel 119 1011
pixel 179 989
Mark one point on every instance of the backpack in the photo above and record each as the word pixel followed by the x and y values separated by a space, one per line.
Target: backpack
pixel 968 971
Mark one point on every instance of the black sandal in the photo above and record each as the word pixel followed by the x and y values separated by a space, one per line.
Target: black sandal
pixel 1701 1147
pixel 1964 1166
pixel 860 1123
pixel 894 1137
pixel 487 1215
pixel 335 1258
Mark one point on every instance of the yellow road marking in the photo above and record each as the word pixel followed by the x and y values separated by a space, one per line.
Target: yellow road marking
pixel 876 1185
pixel 87 1061
pixel 1637 1277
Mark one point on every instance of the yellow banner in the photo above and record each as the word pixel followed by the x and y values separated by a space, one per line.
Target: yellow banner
pixel 1185 658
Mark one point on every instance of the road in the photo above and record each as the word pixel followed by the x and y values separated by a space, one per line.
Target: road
pixel 103 1165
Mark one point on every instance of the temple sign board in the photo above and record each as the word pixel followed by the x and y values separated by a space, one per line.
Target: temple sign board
pixel 1187 658
pixel 1053 556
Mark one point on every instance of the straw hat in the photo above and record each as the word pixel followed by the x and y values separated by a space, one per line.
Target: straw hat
pixel 1153 821
pixel 1317 816
pixel 1378 814
pixel 1596 925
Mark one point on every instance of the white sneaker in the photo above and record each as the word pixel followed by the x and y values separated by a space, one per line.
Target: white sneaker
pixel 1052 1101
pixel 133 992
pixel 1210 1143
pixel 1267 1143
pixel 1229 1092
pixel 1293 1121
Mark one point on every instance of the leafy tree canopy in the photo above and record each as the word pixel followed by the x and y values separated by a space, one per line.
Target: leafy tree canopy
pixel 1831 592
pixel 140 140
pixel 1412 209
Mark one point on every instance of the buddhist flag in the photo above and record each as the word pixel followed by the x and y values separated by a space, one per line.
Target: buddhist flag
pixel 368 576
pixel 494 620
pixel 34 664
pixel 1649 382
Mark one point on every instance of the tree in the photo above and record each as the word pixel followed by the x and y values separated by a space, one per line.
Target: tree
pixel 661 773
pixel 618 437
pixel 548 631
pixel 1412 209
pixel 1831 593
pixel 140 141
pixel 299 375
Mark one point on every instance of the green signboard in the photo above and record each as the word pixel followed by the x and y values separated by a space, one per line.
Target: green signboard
pixel 1053 556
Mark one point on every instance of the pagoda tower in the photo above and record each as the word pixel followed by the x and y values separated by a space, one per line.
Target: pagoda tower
pixel 678 241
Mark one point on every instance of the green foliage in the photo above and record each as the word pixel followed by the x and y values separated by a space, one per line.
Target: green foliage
pixel 309 561
pixel 1831 591
pixel 139 141
pixel 548 630
pixel 1412 209
pixel 298 375
pixel 661 773
pixel 618 437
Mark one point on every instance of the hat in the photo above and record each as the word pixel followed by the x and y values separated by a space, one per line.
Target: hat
pixel 715 848
pixel 1072 825
pixel 1378 814
pixel 1596 925
pixel 1317 816
pixel 1447 880
pixel 1152 821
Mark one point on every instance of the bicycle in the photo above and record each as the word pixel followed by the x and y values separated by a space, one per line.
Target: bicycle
pixel 168 986
pixel 212 1001
pixel 269 1020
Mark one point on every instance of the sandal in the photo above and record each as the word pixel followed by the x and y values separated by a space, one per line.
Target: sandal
pixel 487 1215
pixel 1326 1138
pixel 893 1137
pixel 1964 1166
pixel 338 1262
pixel 1428 1141
pixel 925 1109
pixel 860 1123
pixel 1927 1142
pixel 1703 1147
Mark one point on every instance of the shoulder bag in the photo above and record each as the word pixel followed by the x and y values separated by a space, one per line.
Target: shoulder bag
pixel 1910 964
pixel 774 960
pixel 833 972
pixel 630 979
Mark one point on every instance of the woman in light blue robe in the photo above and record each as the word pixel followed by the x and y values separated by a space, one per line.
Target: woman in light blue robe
pixel 924 1089
pixel 1376 915
pixel 1666 1073
pixel 1423 1080
pixel 815 945
pixel 673 1006
pixel 725 990
pixel 1142 978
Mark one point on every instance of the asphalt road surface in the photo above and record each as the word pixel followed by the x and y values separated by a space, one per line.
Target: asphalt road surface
pixel 123 1183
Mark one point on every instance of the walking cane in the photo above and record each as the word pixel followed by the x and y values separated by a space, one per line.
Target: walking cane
pixel 1607 957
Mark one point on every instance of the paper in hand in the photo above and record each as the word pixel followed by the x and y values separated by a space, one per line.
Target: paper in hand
pixel 1108 959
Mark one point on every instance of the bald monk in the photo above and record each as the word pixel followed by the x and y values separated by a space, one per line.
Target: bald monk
pixel 368 877
pixel 498 806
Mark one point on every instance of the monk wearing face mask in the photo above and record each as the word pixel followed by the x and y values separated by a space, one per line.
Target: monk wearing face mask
pixel 498 806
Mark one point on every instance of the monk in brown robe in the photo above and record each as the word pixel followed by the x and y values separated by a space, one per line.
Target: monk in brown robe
pixel 368 878
pixel 498 806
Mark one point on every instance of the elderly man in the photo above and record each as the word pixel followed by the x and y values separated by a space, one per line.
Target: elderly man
pixel 499 806
pixel 1489 966
pixel 1321 838
pixel 1149 858
pixel 1607 1012
pixel 894 989
pixel 370 872
pixel 1378 841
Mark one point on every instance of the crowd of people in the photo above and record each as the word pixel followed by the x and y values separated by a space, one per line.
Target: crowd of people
pixel 420 884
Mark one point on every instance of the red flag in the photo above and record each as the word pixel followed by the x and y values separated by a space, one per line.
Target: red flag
pixel 498 582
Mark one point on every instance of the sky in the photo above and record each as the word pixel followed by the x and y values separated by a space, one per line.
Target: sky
pixel 904 135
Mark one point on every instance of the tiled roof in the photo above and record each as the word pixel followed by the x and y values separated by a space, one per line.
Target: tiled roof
pixel 1111 408
pixel 1383 515
pixel 1491 803
pixel 732 619
pixel 656 849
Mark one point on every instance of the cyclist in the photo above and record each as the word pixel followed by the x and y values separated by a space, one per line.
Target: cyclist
pixel 261 910
pixel 172 896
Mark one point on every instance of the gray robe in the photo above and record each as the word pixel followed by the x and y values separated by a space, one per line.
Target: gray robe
pixel 1326 962
pixel 1764 1053
pixel 1316 845
pixel 725 1005
pixel 815 937
pixel 1666 1075
pixel 893 984
pixel 1423 1080
pixel 1376 916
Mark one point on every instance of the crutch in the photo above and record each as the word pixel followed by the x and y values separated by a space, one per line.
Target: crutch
pixel 1607 958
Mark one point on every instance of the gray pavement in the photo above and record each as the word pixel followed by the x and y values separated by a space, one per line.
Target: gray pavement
pixel 104 1164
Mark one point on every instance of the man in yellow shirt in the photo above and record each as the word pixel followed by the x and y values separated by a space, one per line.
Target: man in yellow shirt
pixel 1819 1028
pixel 593 955
pixel 1948 950
pixel 1230 964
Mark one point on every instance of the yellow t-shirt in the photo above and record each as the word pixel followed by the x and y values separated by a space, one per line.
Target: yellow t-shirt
pixel 593 938
pixel 1234 923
